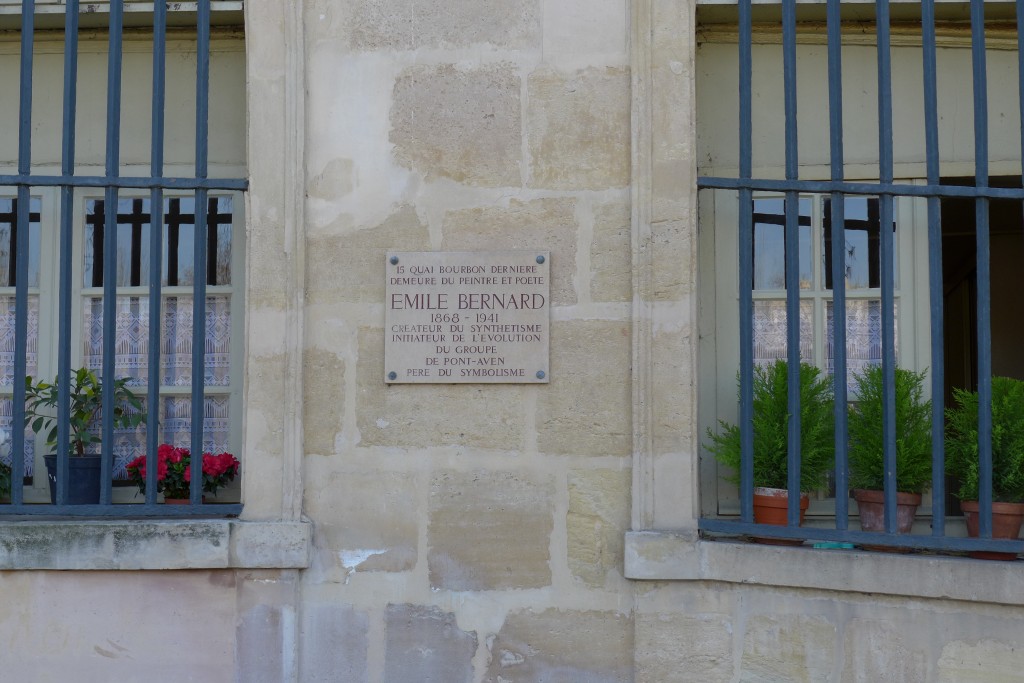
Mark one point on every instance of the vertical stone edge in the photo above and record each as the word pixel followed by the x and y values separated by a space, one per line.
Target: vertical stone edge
pixel 665 454
pixel 641 188
pixel 278 91
pixel 284 184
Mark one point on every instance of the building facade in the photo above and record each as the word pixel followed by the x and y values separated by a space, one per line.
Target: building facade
pixel 508 532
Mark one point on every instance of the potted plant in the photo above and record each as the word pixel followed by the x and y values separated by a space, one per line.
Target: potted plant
pixel 86 408
pixel 1007 458
pixel 913 447
pixel 174 473
pixel 771 425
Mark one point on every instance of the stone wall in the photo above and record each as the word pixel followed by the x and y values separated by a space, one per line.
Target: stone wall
pixel 715 632
pixel 467 532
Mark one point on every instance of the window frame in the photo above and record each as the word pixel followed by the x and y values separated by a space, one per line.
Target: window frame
pixel 38 492
pixel 719 323
pixel 665 543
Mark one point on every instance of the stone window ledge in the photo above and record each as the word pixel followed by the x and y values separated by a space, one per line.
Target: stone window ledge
pixel 661 556
pixel 154 544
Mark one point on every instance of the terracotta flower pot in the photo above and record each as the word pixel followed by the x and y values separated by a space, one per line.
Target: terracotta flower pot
pixel 1006 523
pixel 771 506
pixel 871 505
pixel 179 501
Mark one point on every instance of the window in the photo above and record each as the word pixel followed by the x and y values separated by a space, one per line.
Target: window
pixel 163 143
pixel 822 117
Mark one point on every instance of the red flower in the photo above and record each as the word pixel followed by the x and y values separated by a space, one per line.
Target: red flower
pixel 174 471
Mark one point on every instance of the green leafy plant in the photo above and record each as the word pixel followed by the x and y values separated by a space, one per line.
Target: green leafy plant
pixel 5 480
pixel 913 432
pixel 771 425
pixel 86 391
pixel 1007 441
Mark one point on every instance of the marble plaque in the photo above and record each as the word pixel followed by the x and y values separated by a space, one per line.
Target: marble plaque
pixel 467 317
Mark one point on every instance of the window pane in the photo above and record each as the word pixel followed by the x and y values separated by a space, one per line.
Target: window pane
pixel 179 236
pixel 770 331
pixel 132 242
pixel 132 342
pixel 133 227
pixel 770 247
pixel 176 422
pixel 8 229
pixel 863 242
pixel 7 345
pixel 175 428
pixel 176 341
pixel 6 435
pixel 863 337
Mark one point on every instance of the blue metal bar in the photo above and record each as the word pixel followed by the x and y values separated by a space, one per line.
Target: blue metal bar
pixel 983 274
pixel 859 188
pixel 132 510
pixel 838 208
pixel 199 253
pixel 792 242
pixel 156 241
pixel 110 246
pixel 746 264
pixel 126 183
pixel 65 261
pixel 953 543
pixel 931 136
pixel 22 250
pixel 885 175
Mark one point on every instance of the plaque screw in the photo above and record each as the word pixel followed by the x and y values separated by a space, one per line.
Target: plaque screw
pixel 394 260
pixel 392 376
pixel 540 259
pixel 540 373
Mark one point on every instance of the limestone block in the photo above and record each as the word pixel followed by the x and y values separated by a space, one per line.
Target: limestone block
pixel 425 644
pixel 350 267
pixel 586 409
pixel 363 521
pixel 563 646
pixel 787 647
pixel 415 416
pixel 598 517
pixel 578 128
pixel 584 27
pixel 981 661
pixel 674 268
pixel 269 265
pixel 489 531
pixel 538 224
pixel 118 626
pixel 416 24
pixel 877 651
pixel 324 399
pixel 680 648
pixel 333 642
pixel 611 254
pixel 265 623
pixel 334 181
pixel 461 124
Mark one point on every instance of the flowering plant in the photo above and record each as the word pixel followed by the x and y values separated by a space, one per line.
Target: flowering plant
pixel 174 471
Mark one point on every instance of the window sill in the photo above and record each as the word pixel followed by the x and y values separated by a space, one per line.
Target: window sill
pixel 154 544
pixel 661 556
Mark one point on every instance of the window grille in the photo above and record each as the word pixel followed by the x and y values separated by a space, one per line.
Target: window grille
pixel 837 189
pixel 170 203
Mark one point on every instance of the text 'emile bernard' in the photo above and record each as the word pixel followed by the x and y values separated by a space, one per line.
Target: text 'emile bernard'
pixel 468 302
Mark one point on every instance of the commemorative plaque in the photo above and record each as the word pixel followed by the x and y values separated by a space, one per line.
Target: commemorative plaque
pixel 467 317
